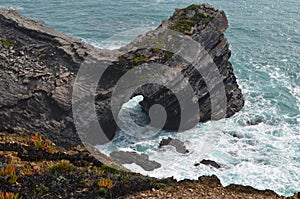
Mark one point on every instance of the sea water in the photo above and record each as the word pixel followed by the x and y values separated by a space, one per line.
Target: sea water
pixel 264 38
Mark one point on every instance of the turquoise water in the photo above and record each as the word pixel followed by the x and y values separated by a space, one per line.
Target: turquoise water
pixel 264 37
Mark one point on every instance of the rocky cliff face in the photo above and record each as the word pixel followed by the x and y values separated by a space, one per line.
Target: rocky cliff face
pixel 38 67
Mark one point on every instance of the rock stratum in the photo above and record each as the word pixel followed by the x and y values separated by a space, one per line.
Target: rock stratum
pixel 38 68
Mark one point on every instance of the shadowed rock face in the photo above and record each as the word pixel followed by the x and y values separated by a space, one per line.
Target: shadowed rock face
pixel 38 67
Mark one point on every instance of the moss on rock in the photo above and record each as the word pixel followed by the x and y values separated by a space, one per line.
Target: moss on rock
pixel 184 19
pixel 139 59
pixel 6 42
pixel 192 7
pixel 183 25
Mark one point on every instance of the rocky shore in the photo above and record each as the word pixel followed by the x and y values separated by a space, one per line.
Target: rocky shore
pixel 32 166
pixel 38 68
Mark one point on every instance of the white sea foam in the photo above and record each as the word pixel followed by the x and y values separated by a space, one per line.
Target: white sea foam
pixel 263 156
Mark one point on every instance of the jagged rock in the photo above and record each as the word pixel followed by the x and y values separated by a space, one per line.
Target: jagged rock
pixel 209 163
pixel 179 145
pixel 125 157
pixel 39 67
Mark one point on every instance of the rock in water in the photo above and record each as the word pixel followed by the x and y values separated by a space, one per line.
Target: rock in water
pixel 125 157
pixel 209 163
pixel 39 67
pixel 179 145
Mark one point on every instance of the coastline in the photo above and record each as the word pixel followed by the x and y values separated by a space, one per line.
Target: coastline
pixel 12 142
pixel 74 173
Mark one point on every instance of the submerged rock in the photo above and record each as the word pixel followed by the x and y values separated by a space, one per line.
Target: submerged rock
pixel 39 68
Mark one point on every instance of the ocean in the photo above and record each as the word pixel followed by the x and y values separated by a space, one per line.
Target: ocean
pixel 264 38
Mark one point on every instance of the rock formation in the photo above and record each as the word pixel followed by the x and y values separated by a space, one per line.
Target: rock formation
pixel 209 163
pixel 179 145
pixel 125 157
pixel 38 67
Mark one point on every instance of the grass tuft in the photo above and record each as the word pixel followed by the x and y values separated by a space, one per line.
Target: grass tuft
pixel 63 166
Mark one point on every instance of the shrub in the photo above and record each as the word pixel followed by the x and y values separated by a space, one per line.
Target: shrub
pixel 63 166
pixel 105 183
pixel 40 190
pixel 27 170
pixel 41 143
pixel 9 195
pixel 9 173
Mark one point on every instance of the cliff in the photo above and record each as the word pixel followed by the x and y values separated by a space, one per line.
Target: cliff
pixel 39 68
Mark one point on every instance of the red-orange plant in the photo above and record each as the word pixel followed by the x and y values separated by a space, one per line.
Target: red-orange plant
pixel 27 170
pixel 105 183
pixel 9 195
pixel 40 143
pixel 9 172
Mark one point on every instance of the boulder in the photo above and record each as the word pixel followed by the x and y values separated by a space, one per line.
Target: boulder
pixel 209 163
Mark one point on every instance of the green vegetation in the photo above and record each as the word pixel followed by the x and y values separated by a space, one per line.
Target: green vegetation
pixel 168 55
pixel 41 143
pixel 183 25
pixel 27 170
pixel 102 190
pixel 9 195
pixel 139 59
pixel 123 56
pixel 63 166
pixel 192 7
pixel 202 17
pixel 109 169
pixel 40 190
pixel 156 50
pixel 6 42
pixel 105 183
pixel 42 56
pixel 124 179
pixel 199 15
pixel 9 174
